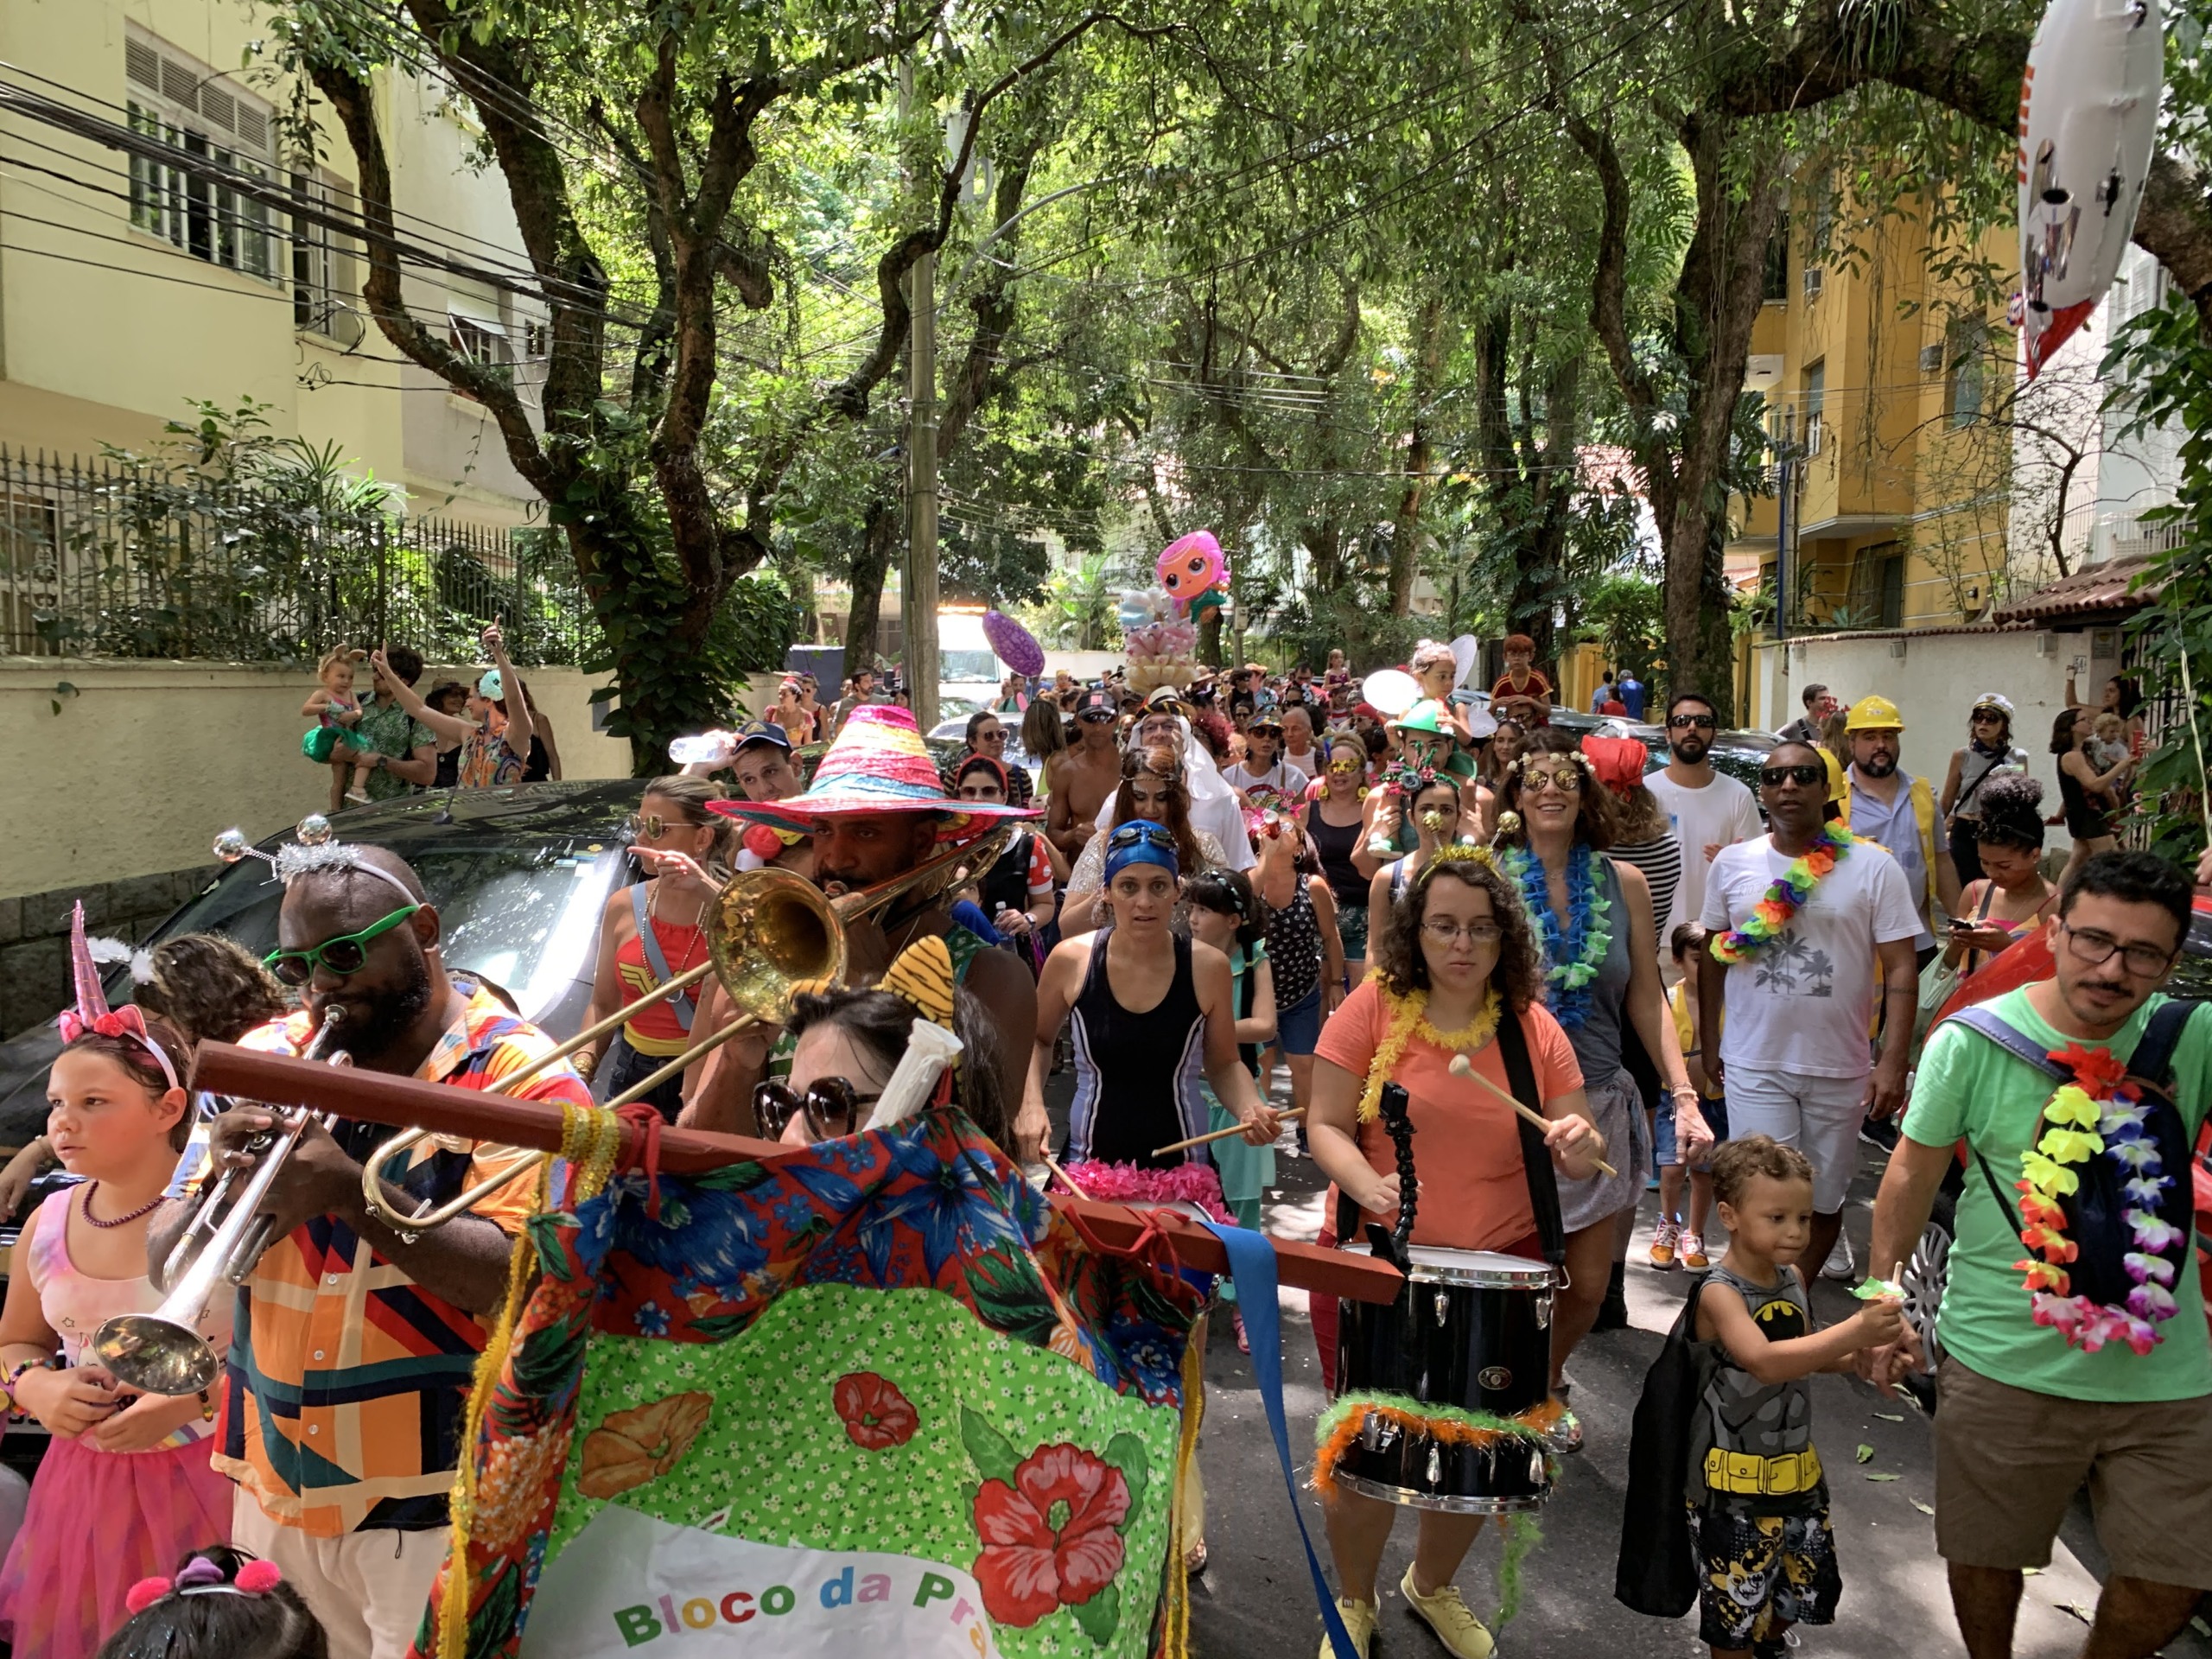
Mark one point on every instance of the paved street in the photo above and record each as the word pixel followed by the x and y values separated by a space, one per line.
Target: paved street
pixel 1253 1602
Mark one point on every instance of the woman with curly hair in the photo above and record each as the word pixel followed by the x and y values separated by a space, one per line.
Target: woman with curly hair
pixel 1592 917
pixel 1154 788
pixel 1456 971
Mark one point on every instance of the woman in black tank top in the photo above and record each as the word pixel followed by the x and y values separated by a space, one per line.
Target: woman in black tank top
pixel 1335 820
pixel 1150 1010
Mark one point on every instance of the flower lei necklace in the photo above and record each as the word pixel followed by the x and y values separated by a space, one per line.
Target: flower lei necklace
pixel 1576 953
pixel 1790 890
pixel 2096 1114
pixel 1409 1020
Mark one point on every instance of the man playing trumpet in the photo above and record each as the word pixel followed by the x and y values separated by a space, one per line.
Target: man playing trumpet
pixel 352 1346
pixel 878 811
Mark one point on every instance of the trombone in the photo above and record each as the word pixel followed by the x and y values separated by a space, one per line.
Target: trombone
pixel 768 931
pixel 163 1352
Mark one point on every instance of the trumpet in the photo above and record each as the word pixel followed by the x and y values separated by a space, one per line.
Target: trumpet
pixel 768 931
pixel 163 1352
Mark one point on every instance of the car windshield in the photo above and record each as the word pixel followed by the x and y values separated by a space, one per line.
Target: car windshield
pixel 967 666
pixel 524 916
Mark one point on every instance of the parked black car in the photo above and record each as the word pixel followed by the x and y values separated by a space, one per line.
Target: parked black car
pixel 520 877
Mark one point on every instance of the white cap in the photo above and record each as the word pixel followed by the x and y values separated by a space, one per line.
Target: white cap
pixel 1996 700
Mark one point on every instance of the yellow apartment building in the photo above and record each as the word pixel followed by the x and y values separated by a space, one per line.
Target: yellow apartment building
pixel 129 285
pixel 1886 384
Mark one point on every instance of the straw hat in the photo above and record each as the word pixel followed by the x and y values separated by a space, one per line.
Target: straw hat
pixel 878 764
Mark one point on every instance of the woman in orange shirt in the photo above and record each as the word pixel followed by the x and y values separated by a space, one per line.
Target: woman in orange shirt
pixel 651 932
pixel 1454 963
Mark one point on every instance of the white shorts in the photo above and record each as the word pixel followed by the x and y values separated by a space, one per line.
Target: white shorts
pixel 1820 1116
pixel 368 1588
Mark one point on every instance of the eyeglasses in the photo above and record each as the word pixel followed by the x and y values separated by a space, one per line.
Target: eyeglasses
pixel 997 734
pixel 1776 777
pixel 831 1104
pixel 1534 780
pixel 1683 723
pixel 1135 835
pixel 1096 715
pixel 1988 717
pixel 1443 931
pixel 2093 949
pixel 346 953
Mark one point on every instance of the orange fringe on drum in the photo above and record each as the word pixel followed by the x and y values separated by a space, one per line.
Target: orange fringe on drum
pixel 1456 1429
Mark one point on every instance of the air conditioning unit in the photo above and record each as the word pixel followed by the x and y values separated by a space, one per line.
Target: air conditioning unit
pixel 1813 279
pixel 1932 360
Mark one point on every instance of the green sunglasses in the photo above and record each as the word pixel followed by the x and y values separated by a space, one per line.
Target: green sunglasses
pixel 344 954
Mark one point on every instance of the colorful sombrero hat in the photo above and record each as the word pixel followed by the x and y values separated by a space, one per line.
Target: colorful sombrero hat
pixel 878 764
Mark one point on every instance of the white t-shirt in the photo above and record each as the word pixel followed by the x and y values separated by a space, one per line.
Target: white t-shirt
pixel 1722 812
pixel 1282 777
pixel 1218 816
pixel 1805 1002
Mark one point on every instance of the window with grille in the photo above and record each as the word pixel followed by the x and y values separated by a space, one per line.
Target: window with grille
pixel 1816 395
pixel 1966 380
pixel 326 280
pixel 194 110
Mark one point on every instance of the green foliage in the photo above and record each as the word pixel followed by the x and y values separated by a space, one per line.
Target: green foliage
pixel 2167 364
pixel 1626 615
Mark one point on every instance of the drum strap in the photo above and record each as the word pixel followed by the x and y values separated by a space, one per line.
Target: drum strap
pixel 1535 1156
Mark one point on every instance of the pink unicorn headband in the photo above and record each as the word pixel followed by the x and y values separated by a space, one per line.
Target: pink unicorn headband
pixel 91 1017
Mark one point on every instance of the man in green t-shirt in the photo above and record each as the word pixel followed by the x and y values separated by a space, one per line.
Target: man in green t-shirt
pixel 2027 1417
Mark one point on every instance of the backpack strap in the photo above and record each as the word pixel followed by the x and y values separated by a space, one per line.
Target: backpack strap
pixel 2153 1059
pixel 1535 1156
pixel 684 1003
pixel 1989 1023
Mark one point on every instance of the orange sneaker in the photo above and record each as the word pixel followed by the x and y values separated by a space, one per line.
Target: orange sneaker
pixel 1692 1254
pixel 1662 1245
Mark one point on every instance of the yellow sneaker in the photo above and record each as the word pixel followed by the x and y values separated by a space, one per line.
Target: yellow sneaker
pixel 1359 1624
pixel 1693 1254
pixel 1662 1245
pixel 1446 1613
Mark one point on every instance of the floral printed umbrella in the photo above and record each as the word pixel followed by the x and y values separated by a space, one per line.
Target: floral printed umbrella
pixel 879 1397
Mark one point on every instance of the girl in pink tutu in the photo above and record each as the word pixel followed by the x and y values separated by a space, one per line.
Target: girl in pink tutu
pixel 126 1487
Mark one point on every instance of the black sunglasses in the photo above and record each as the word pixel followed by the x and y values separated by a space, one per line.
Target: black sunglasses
pixel 1704 722
pixel 831 1104
pixel 1775 776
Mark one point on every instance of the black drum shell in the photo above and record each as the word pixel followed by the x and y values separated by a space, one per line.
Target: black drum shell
pixel 1476 1347
pixel 1510 1475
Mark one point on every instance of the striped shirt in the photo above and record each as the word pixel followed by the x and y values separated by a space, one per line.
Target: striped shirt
pixel 1661 860
pixel 344 1396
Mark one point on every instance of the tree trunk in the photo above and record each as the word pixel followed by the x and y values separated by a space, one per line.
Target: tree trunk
pixel 878 542
pixel 1405 537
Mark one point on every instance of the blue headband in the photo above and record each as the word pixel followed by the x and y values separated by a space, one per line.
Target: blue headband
pixel 1151 844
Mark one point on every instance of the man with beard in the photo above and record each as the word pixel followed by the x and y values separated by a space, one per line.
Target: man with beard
pixel 1708 810
pixel 1895 809
pixel 1796 980
pixel 347 1379
pixel 876 809
pixel 2034 1409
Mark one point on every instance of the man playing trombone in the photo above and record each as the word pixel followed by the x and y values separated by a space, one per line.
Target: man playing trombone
pixel 882 826
pixel 353 1342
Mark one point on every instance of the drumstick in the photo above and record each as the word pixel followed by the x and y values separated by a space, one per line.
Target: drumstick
pixel 1464 1067
pixel 1218 1134
pixel 1053 1164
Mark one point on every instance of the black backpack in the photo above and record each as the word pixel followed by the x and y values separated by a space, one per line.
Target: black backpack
pixel 2095 1218
pixel 1657 1572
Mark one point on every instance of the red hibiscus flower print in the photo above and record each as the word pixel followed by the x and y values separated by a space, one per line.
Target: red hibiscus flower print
pixel 876 1416
pixel 1049 1539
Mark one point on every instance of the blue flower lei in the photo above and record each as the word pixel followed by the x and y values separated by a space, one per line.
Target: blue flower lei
pixel 1575 955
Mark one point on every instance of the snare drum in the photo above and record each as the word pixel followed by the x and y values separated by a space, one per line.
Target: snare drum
pixel 1472 1331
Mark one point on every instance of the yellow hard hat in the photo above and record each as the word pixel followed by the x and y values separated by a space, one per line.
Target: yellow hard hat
pixel 1874 713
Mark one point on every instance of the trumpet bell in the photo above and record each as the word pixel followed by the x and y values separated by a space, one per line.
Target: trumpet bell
pixel 157 1354
pixel 769 930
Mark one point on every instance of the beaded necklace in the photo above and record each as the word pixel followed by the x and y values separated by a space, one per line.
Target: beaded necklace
pixel 1575 953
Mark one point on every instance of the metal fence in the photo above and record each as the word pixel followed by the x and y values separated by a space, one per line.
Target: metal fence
pixel 122 558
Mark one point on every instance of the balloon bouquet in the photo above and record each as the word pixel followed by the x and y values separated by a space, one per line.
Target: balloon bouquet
pixel 1160 629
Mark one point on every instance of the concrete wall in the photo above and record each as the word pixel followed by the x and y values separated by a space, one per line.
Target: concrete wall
pixel 34 975
pixel 1934 679
pixel 145 762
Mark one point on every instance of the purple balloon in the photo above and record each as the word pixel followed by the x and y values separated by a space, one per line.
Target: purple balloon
pixel 1016 647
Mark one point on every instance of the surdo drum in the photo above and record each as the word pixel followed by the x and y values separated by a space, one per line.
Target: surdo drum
pixel 1470 1332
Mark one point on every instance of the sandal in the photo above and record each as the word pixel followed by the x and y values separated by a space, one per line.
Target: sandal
pixel 1194 1560
pixel 1243 1342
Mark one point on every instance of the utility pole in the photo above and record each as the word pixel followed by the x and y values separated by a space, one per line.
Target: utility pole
pixel 918 590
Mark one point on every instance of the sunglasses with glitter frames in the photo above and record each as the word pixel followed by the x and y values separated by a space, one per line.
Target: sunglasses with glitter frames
pixel 1775 776
pixel 1534 780
pixel 346 953
pixel 832 1107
